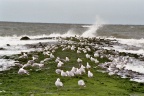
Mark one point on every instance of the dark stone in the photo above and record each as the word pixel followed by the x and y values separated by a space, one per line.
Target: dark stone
pixel 141 84
pixel 8 44
pixel 2 49
pixel 5 57
pixel 25 38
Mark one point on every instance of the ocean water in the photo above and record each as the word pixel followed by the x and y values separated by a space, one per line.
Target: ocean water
pixel 129 35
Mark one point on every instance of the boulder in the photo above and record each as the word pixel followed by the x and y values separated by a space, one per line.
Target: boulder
pixel 25 38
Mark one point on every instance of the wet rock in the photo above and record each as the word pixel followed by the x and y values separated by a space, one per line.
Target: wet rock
pixel 5 57
pixel 8 44
pixel 8 57
pixel 2 48
pixel 45 38
pixel 25 38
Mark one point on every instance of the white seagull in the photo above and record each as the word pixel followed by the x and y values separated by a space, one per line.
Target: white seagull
pixel 79 60
pixel 67 59
pixel 90 74
pixel 81 83
pixel 63 74
pixel 58 71
pixel 23 71
pixel 58 83
pixel 88 66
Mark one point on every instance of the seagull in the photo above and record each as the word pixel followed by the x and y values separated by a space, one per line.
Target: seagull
pixel 78 51
pixel 41 65
pixel 63 74
pixel 81 83
pixel 35 57
pixel 19 65
pixel 73 69
pixel 96 54
pixel 87 56
pixel 26 65
pixel 79 60
pixel 96 61
pixel 52 56
pixel 60 64
pixel 84 51
pixel 23 71
pixel 78 72
pixel 53 51
pixel 57 59
pixel 25 55
pixel 82 70
pixel 58 71
pixel 37 65
pixel 90 74
pixel 88 49
pixel 46 59
pixel 58 83
pixel 42 61
pixel 30 62
pixel 88 66
pixel 82 66
pixel 70 73
pixel 73 48
pixel 67 59
pixel 92 59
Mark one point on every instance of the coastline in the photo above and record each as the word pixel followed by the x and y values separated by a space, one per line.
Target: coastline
pixel 47 74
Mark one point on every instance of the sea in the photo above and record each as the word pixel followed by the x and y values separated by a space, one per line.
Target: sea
pixel 10 33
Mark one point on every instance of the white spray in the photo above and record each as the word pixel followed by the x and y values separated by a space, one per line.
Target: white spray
pixel 92 31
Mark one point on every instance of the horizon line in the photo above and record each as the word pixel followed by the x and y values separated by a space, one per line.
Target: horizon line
pixel 62 23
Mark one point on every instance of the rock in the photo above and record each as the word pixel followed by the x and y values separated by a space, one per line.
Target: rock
pixel 141 84
pixel 25 38
pixel 2 48
pixel 6 57
pixel 8 44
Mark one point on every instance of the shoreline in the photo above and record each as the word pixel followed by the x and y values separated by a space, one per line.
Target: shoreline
pixel 100 41
pixel 41 80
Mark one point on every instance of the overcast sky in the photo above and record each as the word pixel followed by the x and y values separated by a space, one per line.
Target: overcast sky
pixel 73 11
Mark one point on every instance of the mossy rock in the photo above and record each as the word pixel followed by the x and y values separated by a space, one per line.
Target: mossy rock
pixel 25 38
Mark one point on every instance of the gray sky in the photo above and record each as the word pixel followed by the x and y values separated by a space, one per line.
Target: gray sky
pixel 73 11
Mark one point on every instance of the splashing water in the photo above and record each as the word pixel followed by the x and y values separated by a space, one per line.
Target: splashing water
pixel 92 31
pixel 17 45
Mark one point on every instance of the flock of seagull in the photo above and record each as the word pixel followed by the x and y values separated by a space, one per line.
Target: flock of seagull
pixel 116 64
